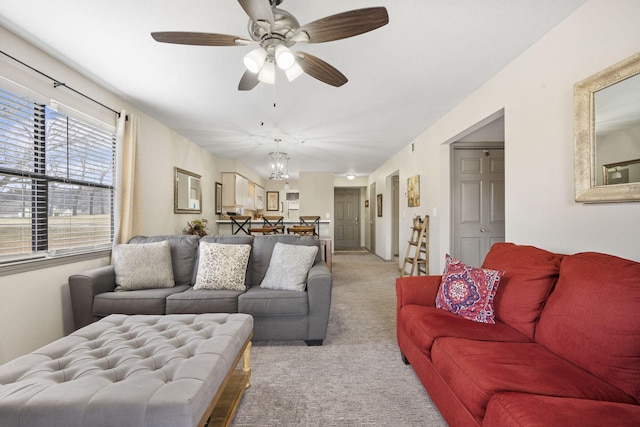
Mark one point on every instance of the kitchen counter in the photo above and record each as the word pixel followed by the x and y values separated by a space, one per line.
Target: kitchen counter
pixel 224 225
pixel 286 221
pixel 224 228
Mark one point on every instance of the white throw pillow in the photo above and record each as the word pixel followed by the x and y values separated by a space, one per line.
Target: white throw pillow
pixel 222 266
pixel 143 266
pixel 289 267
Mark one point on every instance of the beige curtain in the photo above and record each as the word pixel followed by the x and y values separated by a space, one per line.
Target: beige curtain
pixel 126 147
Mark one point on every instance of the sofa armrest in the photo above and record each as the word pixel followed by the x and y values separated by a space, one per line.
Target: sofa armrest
pixel 84 287
pixel 420 290
pixel 319 284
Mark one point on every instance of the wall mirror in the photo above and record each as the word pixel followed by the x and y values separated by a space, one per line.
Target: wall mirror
pixel 187 192
pixel 607 134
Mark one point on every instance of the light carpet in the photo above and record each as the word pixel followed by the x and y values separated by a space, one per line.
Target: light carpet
pixel 357 378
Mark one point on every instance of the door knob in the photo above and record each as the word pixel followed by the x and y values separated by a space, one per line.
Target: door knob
pixel 482 230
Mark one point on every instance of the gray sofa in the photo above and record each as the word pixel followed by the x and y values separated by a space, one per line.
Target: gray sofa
pixel 277 314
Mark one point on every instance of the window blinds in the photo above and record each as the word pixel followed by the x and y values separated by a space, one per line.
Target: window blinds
pixel 56 180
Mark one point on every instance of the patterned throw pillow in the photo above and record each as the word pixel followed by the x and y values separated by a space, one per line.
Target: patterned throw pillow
pixel 468 291
pixel 289 267
pixel 222 266
pixel 143 266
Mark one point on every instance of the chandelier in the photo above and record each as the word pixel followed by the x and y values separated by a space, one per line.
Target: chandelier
pixel 278 163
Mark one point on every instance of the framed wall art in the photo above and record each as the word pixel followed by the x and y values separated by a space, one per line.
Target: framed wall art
pixel 379 204
pixel 273 200
pixel 218 198
pixel 187 192
pixel 413 191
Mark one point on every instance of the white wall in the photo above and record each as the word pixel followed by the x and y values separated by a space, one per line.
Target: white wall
pixel 536 92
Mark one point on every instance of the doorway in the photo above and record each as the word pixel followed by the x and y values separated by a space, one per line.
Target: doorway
pixel 478 205
pixel 347 218
pixel 372 217
pixel 395 216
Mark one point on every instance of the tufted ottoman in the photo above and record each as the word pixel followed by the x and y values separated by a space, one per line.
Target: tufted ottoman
pixel 132 371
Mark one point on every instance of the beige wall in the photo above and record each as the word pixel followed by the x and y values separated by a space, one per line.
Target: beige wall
pixel 536 93
pixel 34 308
pixel 316 194
pixel 160 150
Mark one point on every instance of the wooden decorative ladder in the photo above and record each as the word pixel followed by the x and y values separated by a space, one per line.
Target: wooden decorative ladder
pixel 417 254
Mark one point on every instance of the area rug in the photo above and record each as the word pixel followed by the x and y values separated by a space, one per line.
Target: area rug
pixel 356 378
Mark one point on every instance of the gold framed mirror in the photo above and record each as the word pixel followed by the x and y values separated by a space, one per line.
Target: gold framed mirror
pixel 187 192
pixel 607 134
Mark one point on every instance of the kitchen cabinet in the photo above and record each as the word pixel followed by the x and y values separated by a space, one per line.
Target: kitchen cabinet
pixel 250 196
pixel 259 202
pixel 239 192
pixel 234 189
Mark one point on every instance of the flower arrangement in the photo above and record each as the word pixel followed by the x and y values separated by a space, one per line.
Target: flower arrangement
pixel 196 227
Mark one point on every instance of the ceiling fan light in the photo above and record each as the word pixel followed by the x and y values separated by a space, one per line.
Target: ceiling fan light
pixel 268 73
pixel 255 59
pixel 284 57
pixel 294 72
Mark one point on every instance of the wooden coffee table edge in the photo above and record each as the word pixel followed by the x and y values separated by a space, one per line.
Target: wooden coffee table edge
pixel 225 403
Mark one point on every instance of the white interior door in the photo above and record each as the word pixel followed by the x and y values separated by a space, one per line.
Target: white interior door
pixel 478 202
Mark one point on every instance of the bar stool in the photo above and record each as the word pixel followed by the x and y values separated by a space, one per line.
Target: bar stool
pixel 311 221
pixel 302 230
pixel 240 223
pixel 270 225
pixel 276 221
pixel 263 230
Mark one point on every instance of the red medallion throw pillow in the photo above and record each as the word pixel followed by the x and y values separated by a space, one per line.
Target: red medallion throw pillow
pixel 468 291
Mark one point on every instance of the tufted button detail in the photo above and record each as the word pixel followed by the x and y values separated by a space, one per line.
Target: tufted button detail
pixel 153 361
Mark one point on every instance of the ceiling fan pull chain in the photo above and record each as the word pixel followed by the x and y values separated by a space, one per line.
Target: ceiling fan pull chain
pixel 262 105
pixel 274 96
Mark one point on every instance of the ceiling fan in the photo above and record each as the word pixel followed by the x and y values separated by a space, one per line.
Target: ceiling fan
pixel 276 31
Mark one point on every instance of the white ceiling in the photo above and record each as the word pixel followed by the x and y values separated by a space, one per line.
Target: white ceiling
pixel 402 77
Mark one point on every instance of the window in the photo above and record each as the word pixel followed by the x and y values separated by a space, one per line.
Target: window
pixel 56 180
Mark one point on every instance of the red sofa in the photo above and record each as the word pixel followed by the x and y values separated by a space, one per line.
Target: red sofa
pixel 564 351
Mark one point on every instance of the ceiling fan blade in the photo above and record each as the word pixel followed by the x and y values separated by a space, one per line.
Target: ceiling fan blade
pixel 344 25
pixel 319 69
pixel 258 10
pixel 248 81
pixel 198 39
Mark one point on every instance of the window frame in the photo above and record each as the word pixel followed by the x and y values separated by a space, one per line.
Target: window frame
pixel 41 256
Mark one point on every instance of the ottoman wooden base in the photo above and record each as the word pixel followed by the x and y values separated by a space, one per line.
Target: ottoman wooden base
pixel 223 406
